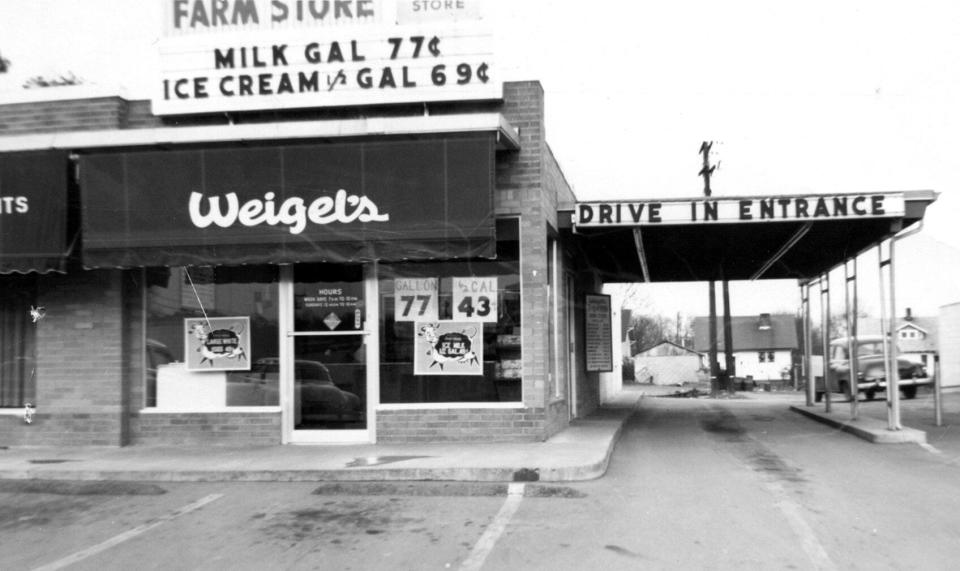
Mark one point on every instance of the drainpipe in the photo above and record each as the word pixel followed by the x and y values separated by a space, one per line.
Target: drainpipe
pixel 890 345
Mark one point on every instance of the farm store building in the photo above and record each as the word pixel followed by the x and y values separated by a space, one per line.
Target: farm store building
pixel 415 289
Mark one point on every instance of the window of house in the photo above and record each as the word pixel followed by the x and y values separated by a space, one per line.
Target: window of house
pixel 415 370
pixel 770 357
pixel 762 356
pixel 17 342
pixel 177 294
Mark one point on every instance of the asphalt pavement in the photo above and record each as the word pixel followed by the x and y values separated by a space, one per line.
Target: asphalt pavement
pixel 579 452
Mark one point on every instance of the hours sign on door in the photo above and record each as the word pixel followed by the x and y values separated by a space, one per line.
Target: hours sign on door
pixel 475 299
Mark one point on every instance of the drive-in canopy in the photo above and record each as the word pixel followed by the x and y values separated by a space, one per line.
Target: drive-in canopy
pixel 738 238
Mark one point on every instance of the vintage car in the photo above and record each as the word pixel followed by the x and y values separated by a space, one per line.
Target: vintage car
pixel 871 374
pixel 316 397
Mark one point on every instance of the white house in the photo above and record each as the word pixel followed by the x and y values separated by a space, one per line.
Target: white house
pixel 917 337
pixel 667 364
pixel 763 345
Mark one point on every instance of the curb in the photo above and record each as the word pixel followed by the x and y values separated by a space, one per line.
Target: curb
pixel 870 429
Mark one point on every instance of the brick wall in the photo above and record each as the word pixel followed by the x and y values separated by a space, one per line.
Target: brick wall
pixel 60 115
pixel 460 425
pixel 518 191
pixel 206 429
pixel 79 371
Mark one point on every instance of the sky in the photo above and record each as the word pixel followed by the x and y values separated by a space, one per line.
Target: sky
pixel 812 97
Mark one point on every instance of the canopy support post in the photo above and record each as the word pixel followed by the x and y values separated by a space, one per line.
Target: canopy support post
pixel 850 297
pixel 641 254
pixel 825 338
pixel 807 342
pixel 714 366
pixel 888 327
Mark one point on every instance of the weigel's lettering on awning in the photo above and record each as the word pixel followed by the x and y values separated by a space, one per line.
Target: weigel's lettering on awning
pixel 396 200
pixel 33 212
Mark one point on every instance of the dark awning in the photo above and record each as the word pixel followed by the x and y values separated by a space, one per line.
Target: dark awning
pixel 33 212
pixel 389 200
pixel 738 238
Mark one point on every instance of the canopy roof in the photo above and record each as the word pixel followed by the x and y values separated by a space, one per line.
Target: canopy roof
pixel 738 238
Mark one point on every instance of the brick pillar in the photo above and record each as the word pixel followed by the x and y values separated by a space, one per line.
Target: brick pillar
pixel 80 395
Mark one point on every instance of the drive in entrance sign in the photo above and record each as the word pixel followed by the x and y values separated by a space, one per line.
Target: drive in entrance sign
pixel 739 209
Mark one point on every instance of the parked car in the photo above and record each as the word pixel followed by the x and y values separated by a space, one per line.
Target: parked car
pixel 871 373
pixel 319 399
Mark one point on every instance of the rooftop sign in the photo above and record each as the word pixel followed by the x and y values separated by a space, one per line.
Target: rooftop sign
pixel 739 210
pixel 238 55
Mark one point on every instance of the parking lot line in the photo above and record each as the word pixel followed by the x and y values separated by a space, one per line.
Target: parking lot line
pixel 496 528
pixel 127 535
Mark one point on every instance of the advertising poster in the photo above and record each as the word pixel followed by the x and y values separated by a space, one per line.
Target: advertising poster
pixel 415 299
pixel 217 344
pixel 599 341
pixel 448 348
pixel 475 299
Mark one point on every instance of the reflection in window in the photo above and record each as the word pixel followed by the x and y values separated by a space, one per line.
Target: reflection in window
pixel 502 363
pixel 17 342
pixel 250 291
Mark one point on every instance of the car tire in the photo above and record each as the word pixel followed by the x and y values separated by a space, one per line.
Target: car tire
pixel 909 392
pixel 818 397
pixel 871 394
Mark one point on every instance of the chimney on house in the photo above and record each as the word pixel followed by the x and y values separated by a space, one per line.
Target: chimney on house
pixel 764 323
pixel 909 316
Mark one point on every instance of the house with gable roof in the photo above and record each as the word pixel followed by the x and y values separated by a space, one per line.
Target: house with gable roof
pixel 917 337
pixel 765 346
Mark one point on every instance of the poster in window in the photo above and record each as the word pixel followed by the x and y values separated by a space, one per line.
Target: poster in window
pixel 217 343
pixel 448 348
pixel 415 299
pixel 475 299
pixel 599 340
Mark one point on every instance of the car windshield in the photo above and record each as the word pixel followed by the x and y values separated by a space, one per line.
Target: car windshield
pixel 872 348
pixel 864 349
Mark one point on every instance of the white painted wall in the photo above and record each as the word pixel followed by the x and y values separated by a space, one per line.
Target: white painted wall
pixel 950 345
pixel 748 364
pixel 612 383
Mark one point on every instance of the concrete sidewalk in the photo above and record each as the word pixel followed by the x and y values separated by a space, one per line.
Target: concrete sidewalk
pixel 917 416
pixel 579 452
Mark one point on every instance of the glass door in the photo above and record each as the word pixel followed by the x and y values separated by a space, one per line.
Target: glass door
pixel 330 343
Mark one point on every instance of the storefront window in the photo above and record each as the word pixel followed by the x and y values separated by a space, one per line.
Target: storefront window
pixel 17 342
pixel 450 331
pixel 212 338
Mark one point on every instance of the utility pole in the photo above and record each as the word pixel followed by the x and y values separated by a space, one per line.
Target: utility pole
pixel 706 172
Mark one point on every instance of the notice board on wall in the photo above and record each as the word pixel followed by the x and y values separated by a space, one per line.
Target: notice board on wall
pixel 599 341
